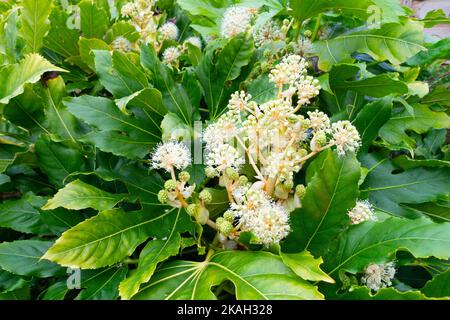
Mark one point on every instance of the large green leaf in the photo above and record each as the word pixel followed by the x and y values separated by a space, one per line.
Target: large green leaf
pixel 306 266
pixel 387 190
pixel 304 9
pixel 364 293
pixel 439 286
pixel 58 160
pixel 129 136
pixel 153 253
pixel 28 70
pixel 94 21
pixel 22 216
pixel 175 97
pixel 118 74
pixel 110 237
pixel 78 195
pixel 375 242
pixel 217 70
pixel 101 284
pixel 331 192
pixel 370 119
pixel 22 257
pixel 255 275
pixel 34 22
pixel 395 130
pixel 393 42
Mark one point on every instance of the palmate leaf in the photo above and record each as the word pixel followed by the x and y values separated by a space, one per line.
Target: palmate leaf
pixel 439 286
pixel 387 191
pixel 214 77
pixel 129 136
pixel 23 257
pixel 376 242
pixel 393 42
pixel 78 195
pixel 111 236
pixel 394 132
pixel 101 284
pixel 306 266
pixel 28 70
pixel 304 9
pixel 153 253
pixel 94 21
pixel 255 275
pixel 34 22
pixel 330 193
pixel 58 160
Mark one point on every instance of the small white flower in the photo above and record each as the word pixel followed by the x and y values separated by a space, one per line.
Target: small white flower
pixel 362 211
pixel 270 31
pixel 171 155
pixel 169 30
pixel 307 88
pixel 196 41
pixel 121 44
pixel 171 55
pixel 239 101
pixel 289 70
pixel 128 9
pixel 319 121
pixel 377 276
pixel 235 20
pixel 345 137
pixel 223 156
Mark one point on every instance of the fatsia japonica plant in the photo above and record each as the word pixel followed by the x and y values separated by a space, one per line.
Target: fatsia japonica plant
pixel 223 149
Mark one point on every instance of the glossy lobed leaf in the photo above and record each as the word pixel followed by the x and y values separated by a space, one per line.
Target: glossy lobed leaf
pixel 439 286
pixel 305 266
pixel 101 284
pixel 255 275
pixel 78 195
pixel 34 22
pixel 331 192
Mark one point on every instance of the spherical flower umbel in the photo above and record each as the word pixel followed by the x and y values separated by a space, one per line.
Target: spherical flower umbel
pixel 196 41
pixel 171 55
pixel 170 155
pixel 121 44
pixel 235 20
pixel 169 30
pixel 290 69
pixel 319 121
pixel 345 137
pixel 377 276
pixel 270 31
pixel 363 211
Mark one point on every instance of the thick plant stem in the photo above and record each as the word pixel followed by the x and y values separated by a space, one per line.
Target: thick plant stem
pixel 316 27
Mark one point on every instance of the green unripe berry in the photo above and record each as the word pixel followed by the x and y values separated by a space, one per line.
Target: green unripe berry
pixel 224 226
pixel 205 196
pixel 184 176
pixel 170 185
pixel 243 180
pixel 231 174
pixel 192 209
pixel 229 215
pixel 308 33
pixel 210 172
pixel 163 196
pixel 300 191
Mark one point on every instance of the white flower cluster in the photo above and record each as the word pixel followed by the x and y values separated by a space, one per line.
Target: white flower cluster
pixel 345 137
pixel 236 20
pixel 142 17
pixel 303 46
pixel 257 213
pixel 171 55
pixel 121 44
pixel 377 276
pixel 196 41
pixel 270 31
pixel 169 30
pixel 170 155
pixel 362 211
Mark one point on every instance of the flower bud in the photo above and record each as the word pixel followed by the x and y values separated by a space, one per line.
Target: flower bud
pixel 224 226
pixel 231 174
pixel 210 172
pixel 243 180
pixel 286 22
pixel 192 209
pixel 205 196
pixel 170 185
pixel 184 176
pixel 228 215
pixel 300 191
pixel 308 33
pixel 163 196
